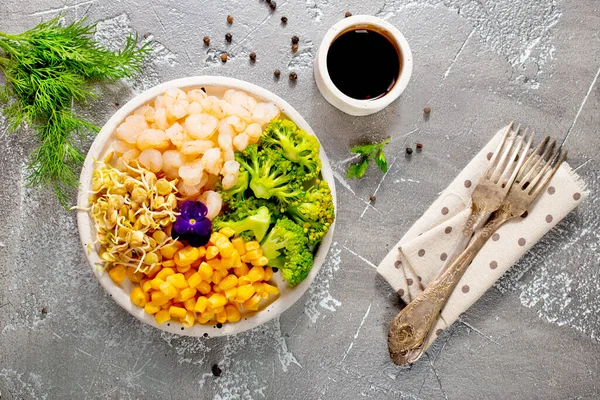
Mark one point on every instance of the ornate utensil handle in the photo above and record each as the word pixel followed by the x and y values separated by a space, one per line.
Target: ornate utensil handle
pixel 410 329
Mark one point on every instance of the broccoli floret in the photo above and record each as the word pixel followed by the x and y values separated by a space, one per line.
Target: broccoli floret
pixel 238 192
pixel 271 175
pixel 286 248
pixel 294 144
pixel 314 211
pixel 246 221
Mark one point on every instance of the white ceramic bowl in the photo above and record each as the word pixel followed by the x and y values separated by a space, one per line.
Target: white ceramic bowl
pixel 334 95
pixel 100 147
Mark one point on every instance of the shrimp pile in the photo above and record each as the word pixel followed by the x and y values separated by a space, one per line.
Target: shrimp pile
pixel 192 136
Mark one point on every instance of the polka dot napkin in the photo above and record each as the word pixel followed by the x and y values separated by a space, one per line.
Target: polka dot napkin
pixel 420 254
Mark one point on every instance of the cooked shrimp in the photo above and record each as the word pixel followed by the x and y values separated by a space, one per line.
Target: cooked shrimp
pixel 225 136
pixel 241 141
pixel 153 139
pixel 120 147
pixel 213 201
pixel 212 161
pixel 147 112
pixel 194 108
pixel 172 160
pixel 238 124
pixel 189 191
pixel 201 126
pixel 178 110
pixel 196 95
pixel 160 118
pixel 176 134
pixel 131 128
pixel 196 147
pixel 191 175
pixel 151 159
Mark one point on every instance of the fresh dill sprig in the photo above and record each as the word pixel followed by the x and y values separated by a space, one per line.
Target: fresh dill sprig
pixel 48 68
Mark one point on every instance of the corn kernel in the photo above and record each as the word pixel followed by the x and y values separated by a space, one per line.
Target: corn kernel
pixel 270 289
pixel 155 283
pixel 227 262
pixel 205 317
pixel 241 271
pixel 227 232
pixel 194 279
pixel 169 251
pixel 184 269
pixel 215 263
pixel 265 295
pixel 268 274
pixel 197 263
pixel 256 274
pixel 177 280
pixel 244 280
pixel 217 278
pixel 253 245
pixel 138 297
pixel 164 273
pixel 216 300
pixel 244 293
pixel 244 258
pixel 231 293
pixel 187 275
pixel 226 250
pixel 186 256
pixel 162 316
pixel 177 312
pixel 211 252
pixel 253 302
pixel 228 282
pixel 205 271
pixel 222 316
pixel 146 286
pixel 153 270
pixel 159 298
pixel 260 262
pixel 254 254
pixel 188 320
pixel 186 294
pixel 117 273
pixel 258 287
pixel 168 264
pixel 215 236
pixel 217 289
pixel 201 251
pixel 167 305
pixel 169 290
pixel 151 308
pixel 218 309
pixel 133 275
pixel 233 314
pixel 190 304
pixel 239 245
pixel 204 287
pixel 237 260
pixel 159 236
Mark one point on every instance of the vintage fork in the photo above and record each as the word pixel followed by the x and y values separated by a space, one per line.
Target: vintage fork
pixel 492 187
pixel 410 329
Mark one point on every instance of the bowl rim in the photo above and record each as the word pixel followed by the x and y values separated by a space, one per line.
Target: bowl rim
pixel 87 232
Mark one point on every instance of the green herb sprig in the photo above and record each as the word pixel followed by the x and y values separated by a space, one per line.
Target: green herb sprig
pixel 48 68
pixel 368 152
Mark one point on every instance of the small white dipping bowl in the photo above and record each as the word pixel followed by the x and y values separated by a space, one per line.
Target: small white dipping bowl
pixel 334 95
pixel 216 85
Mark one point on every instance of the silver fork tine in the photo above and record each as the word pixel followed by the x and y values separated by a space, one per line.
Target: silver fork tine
pixel 549 176
pixel 500 167
pixel 534 169
pixel 497 151
pixel 551 161
pixel 510 167
pixel 531 158
pixel 522 159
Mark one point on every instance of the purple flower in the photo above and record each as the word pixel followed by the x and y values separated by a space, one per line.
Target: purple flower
pixel 192 225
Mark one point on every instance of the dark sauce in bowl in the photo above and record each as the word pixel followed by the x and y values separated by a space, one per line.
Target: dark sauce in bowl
pixel 363 64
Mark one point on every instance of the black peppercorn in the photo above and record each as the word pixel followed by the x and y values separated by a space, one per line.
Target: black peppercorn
pixel 419 146
pixel 372 198
pixel 230 19
pixel 216 370
pixel 409 151
pixel 427 110
pixel 348 14
pixel 284 20
pixel 277 73
pixel 224 57
pixel 273 5
pixel 228 37
pixel 219 325
pixel 295 39
pixel 293 76
pixel 206 40
pixel 44 311
pixel 253 57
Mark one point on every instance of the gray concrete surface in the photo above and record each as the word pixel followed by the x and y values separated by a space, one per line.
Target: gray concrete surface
pixel 478 64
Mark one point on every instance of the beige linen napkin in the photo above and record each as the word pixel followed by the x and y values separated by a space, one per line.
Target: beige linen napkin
pixel 420 254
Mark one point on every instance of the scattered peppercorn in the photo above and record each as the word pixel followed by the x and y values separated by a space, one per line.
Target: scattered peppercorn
pixel 206 40
pixel 348 14
pixel 273 5
pixel 293 76
pixel 372 198
pixel 228 37
pixel 216 370
pixel 230 19
pixel 284 20
pixel 294 48
pixel 253 57
pixel 419 146
pixel 295 39
pixel 409 151
pixel 427 110
pixel 224 57
pixel 277 73
pixel 44 311
pixel 116 104
pixel 219 325
pixel 145 36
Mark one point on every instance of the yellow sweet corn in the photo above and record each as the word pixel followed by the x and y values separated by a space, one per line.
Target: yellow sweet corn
pixel 211 252
pixel 189 320
pixel 169 251
pixel 253 302
pixel 190 304
pixel 205 271
pixel 257 273
pixel 186 256
pixel 186 294
pixel 169 290
pixel 217 277
pixel 216 300
pixel 159 236
pixel 188 274
pixel 151 308
pixel 214 237
pixel 227 262
pixel 201 304
pixel 177 312
pixel 138 297
pixel 204 287
pixel 270 289
pixel 260 262
pixel 134 276
pixel 117 273
pixel 231 293
pixel 227 232
pixel 155 283
pixel 162 316
pixel 233 314
pixel 254 254
pixel 205 317
pixel 241 270
pixel 168 264
pixel 239 245
pixel 194 279
pixel 146 286
pixel 244 280
pixel 177 280
pixel 164 273
pixel 167 305
pixel 244 293
pixel 222 316
pixel 253 245
pixel 153 270
pixel 228 282
pixel 184 268
pixel 268 274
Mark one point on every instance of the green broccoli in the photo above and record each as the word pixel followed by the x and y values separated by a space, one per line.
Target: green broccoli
pixel 314 211
pixel 247 222
pixel 294 144
pixel 237 192
pixel 271 175
pixel 286 248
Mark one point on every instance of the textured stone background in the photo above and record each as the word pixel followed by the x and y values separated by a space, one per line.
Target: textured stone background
pixel 478 64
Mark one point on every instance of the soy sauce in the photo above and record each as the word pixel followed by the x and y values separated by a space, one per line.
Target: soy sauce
pixel 363 64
